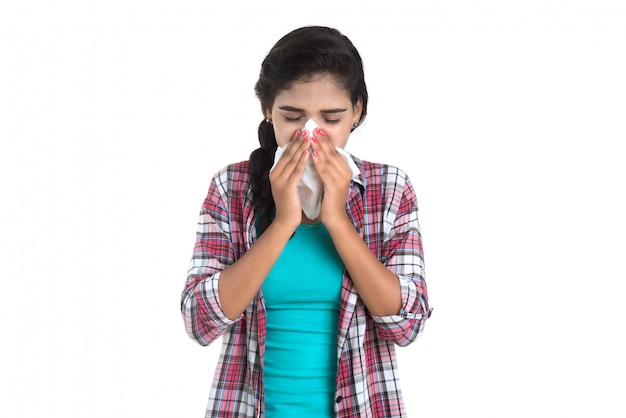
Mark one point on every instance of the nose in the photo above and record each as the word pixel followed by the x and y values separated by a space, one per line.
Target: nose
pixel 310 125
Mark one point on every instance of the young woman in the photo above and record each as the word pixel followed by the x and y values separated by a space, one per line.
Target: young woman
pixel 309 309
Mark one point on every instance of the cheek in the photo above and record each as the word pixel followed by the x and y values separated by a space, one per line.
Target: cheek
pixel 283 134
pixel 337 134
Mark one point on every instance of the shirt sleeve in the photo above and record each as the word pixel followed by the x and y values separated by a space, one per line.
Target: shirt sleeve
pixel 405 257
pixel 204 318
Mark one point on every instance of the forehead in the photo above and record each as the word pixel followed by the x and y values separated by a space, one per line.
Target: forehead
pixel 316 90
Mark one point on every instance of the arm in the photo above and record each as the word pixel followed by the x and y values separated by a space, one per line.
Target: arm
pixel 213 252
pixel 378 287
pixel 394 292
pixel 219 287
pixel 403 255
pixel 242 281
pixel 400 279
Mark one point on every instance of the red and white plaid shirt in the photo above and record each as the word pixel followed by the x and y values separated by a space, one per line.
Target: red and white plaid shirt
pixel 383 208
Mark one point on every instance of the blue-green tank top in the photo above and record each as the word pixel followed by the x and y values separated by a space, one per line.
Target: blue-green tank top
pixel 302 298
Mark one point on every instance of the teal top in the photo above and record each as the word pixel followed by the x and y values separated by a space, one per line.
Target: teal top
pixel 302 296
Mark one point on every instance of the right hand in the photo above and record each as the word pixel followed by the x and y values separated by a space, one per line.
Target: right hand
pixel 284 180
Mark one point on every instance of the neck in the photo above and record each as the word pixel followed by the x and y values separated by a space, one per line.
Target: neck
pixel 306 220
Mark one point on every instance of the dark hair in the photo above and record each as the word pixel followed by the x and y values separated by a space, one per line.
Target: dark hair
pixel 299 56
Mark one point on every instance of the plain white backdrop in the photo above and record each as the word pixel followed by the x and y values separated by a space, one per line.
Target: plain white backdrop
pixel 509 117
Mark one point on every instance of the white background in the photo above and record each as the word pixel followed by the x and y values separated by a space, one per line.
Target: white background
pixel 507 115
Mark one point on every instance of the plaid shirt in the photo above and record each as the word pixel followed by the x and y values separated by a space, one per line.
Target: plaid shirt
pixel 383 208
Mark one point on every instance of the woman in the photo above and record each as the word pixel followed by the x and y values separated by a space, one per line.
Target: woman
pixel 310 308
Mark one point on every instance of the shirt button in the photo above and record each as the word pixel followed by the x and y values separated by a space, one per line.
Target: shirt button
pixel 339 399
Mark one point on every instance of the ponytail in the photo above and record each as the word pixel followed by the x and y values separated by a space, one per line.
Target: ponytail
pixel 261 161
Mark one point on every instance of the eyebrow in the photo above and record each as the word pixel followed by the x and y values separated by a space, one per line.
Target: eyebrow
pixel 295 109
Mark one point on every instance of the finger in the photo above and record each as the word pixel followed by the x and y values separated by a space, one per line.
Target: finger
pixel 325 154
pixel 298 169
pixel 292 153
pixel 297 162
pixel 324 147
pixel 293 169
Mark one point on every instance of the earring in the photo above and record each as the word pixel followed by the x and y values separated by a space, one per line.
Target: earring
pixel 268 120
pixel 354 125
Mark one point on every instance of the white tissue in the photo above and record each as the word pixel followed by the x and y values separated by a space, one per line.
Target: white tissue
pixel 310 126
pixel 310 186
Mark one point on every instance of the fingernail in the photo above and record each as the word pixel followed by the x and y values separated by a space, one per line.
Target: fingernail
pixel 320 132
pixel 315 153
pixel 314 139
pixel 297 134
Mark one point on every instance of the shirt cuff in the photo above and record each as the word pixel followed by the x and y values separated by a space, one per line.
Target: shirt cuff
pixel 406 325
pixel 214 308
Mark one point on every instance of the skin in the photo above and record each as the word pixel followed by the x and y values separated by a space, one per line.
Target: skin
pixel 322 100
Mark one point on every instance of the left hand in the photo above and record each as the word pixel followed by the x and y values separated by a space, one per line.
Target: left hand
pixel 335 174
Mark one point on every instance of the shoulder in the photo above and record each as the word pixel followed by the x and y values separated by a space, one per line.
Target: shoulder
pixel 231 182
pixel 234 176
pixel 384 176
pixel 387 186
pixel 388 197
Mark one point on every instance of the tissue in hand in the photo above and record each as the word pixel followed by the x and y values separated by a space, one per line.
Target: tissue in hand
pixel 310 186
pixel 310 126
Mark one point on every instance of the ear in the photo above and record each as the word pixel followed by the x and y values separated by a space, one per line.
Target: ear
pixel 267 113
pixel 357 110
